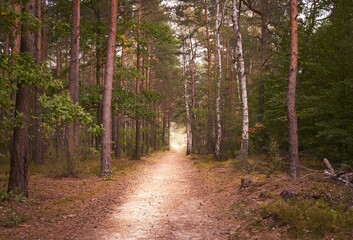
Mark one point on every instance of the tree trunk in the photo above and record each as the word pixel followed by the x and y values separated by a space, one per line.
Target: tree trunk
pixel 73 128
pixel 244 97
pixel 138 122
pixel 38 144
pixel 187 107
pixel 209 98
pixel 118 137
pixel 219 80
pixel 193 94
pixel 18 180
pixel 44 33
pixel 292 82
pixel 107 94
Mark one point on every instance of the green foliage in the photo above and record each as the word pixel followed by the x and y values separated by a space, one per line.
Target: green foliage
pixel 9 18
pixel 59 110
pixel 159 31
pixel 13 219
pixel 309 217
pixel 92 97
pixel 18 70
pixel 12 196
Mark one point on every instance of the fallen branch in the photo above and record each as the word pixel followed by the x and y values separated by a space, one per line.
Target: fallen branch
pixel 346 177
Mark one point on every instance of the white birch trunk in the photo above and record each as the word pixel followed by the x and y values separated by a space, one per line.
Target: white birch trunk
pixel 219 69
pixel 187 107
pixel 244 96
pixel 236 71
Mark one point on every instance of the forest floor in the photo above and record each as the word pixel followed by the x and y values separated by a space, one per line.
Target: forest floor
pixel 170 196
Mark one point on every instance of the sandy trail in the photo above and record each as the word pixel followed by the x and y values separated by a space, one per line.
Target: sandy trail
pixel 164 204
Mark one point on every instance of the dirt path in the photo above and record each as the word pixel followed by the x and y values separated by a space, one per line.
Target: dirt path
pixel 164 204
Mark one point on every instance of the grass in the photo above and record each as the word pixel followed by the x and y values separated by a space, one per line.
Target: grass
pixel 310 218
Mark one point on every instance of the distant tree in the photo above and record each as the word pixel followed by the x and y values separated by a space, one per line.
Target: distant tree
pixel 138 81
pixel 73 129
pixel 219 81
pixel 292 83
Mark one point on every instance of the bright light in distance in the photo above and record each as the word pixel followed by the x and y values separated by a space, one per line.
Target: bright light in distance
pixel 177 136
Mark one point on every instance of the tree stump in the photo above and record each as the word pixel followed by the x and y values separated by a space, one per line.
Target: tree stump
pixel 244 183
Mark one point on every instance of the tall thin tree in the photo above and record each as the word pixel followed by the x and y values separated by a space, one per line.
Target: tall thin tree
pixel 73 129
pixel 209 98
pixel 219 80
pixel 107 94
pixel 138 122
pixel 244 95
pixel 187 104
pixel 292 82
pixel 18 180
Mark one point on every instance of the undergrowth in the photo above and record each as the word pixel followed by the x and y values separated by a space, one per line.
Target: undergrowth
pixel 310 218
pixel 13 218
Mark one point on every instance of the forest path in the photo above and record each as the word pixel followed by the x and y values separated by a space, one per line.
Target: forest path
pixel 164 204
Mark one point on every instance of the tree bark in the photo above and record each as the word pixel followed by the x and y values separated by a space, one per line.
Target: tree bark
pixel 44 33
pixel 219 81
pixel 107 95
pixel 18 180
pixel 292 82
pixel 193 89
pixel 209 98
pixel 73 128
pixel 245 126
pixel 38 144
pixel 187 106
pixel 138 122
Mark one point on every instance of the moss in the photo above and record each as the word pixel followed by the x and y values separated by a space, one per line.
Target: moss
pixel 67 200
pixel 309 217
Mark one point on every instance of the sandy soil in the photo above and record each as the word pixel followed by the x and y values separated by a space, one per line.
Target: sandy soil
pixel 166 203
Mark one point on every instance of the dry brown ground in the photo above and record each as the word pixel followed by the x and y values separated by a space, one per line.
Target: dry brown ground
pixel 167 196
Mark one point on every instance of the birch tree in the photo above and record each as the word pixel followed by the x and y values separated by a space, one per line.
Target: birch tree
pixel 292 82
pixel 107 94
pixel 244 97
pixel 219 80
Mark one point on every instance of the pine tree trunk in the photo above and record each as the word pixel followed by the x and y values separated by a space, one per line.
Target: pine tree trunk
pixel 44 33
pixel 18 180
pixel 118 137
pixel 264 42
pixel 187 107
pixel 193 94
pixel 107 94
pixel 219 81
pixel 292 82
pixel 38 148
pixel 138 122
pixel 244 97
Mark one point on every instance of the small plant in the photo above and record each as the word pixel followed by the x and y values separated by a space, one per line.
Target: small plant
pixel 15 196
pixel 13 219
